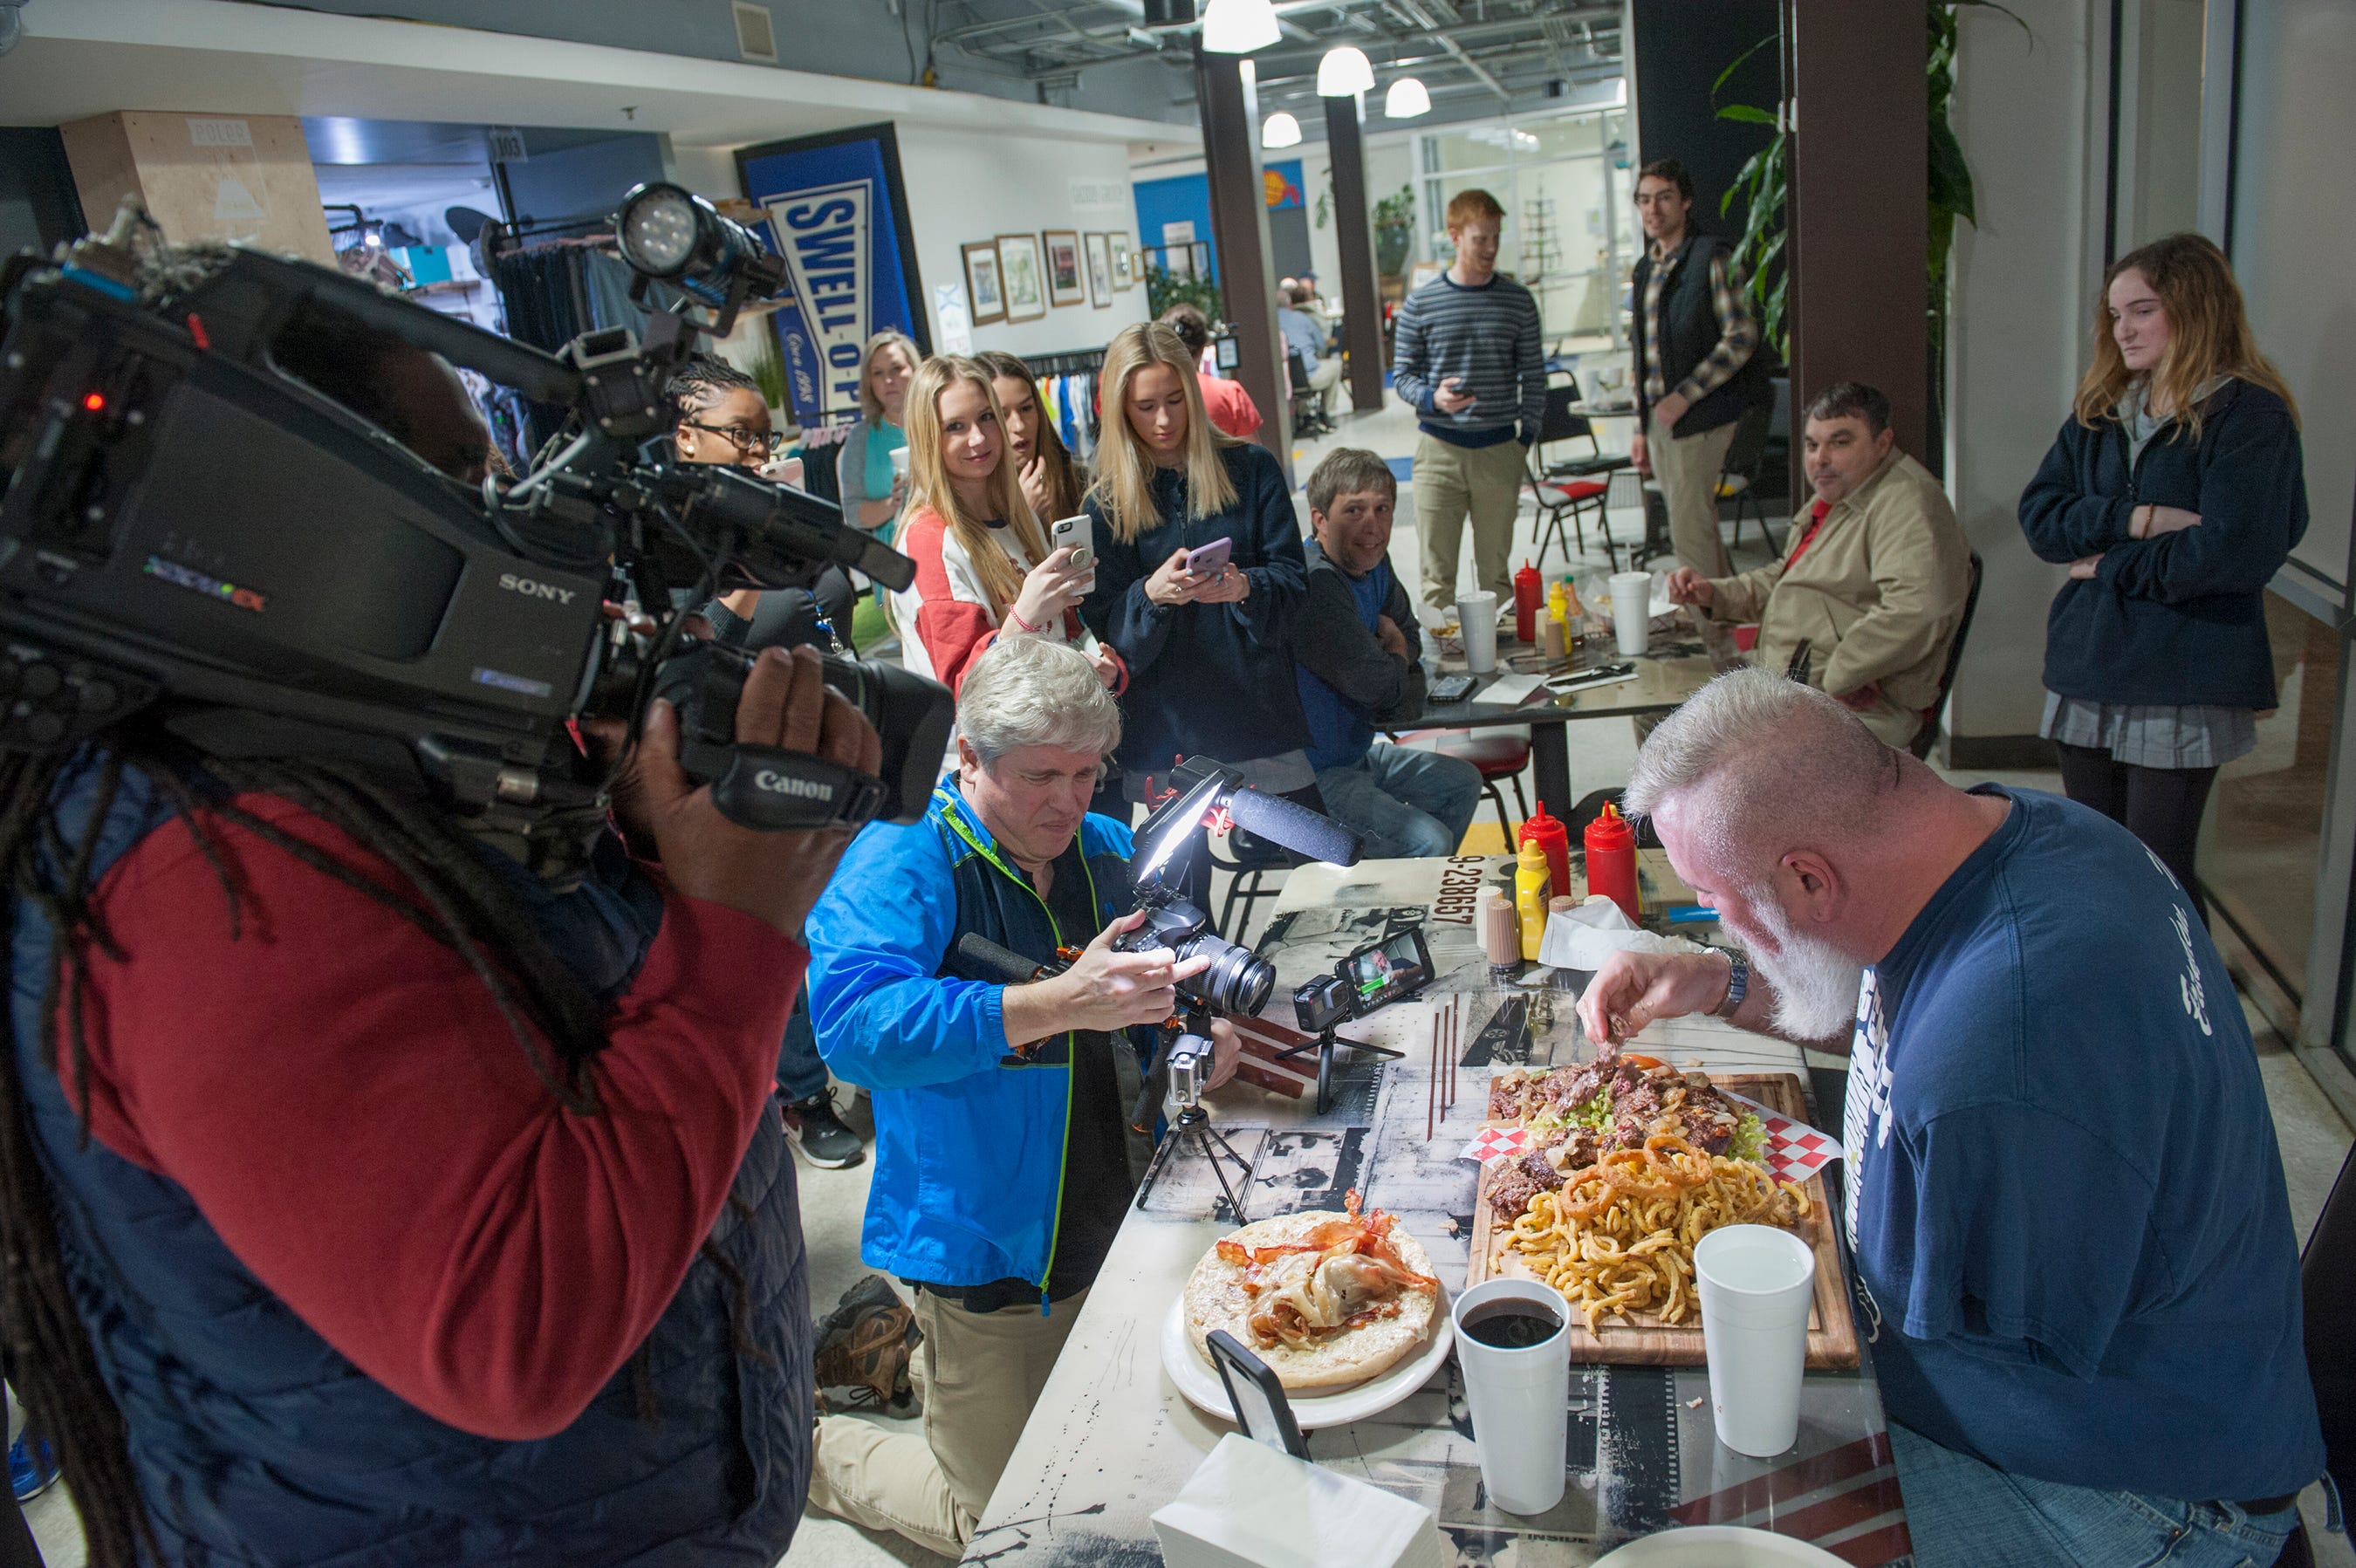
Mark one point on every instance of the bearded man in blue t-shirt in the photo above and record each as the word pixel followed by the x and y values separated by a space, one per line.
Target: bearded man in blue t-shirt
pixel 2074 1257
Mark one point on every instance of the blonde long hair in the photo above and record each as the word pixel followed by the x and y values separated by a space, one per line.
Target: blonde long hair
pixel 929 487
pixel 1124 485
pixel 870 407
pixel 2207 334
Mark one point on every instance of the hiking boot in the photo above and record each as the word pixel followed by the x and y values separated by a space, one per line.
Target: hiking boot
pixel 823 1138
pixel 864 1346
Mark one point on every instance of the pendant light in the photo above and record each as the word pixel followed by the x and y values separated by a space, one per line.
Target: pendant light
pixel 1282 131
pixel 1343 71
pixel 1238 27
pixel 1406 100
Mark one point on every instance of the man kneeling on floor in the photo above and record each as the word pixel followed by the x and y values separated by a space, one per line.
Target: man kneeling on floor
pixel 1357 648
pixel 1002 1166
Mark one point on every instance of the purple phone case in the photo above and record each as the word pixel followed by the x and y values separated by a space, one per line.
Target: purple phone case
pixel 1211 557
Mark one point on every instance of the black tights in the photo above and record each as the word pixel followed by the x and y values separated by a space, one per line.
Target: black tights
pixel 2162 806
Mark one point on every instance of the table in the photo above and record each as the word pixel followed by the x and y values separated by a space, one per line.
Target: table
pixel 1673 666
pixel 1587 410
pixel 1111 1440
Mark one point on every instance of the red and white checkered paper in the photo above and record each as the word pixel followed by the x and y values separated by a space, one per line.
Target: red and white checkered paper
pixel 1795 1151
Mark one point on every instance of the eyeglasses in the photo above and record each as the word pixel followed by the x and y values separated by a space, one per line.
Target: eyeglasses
pixel 744 440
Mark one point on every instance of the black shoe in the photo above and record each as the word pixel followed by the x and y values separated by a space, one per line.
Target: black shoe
pixel 820 1135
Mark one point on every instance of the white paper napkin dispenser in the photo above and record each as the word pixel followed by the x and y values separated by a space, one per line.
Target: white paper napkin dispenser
pixel 1252 1506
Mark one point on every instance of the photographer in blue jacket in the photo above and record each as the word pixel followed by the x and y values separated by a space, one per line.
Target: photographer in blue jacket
pixel 1003 1166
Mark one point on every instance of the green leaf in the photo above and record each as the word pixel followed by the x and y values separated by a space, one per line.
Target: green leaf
pixel 1749 113
pixel 1950 176
pixel 1729 70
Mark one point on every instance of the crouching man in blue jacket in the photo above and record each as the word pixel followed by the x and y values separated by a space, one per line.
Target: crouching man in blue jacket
pixel 1002 1165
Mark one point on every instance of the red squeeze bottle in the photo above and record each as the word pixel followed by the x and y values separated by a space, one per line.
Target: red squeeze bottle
pixel 1528 588
pixel 1549 834
pixel 1611 861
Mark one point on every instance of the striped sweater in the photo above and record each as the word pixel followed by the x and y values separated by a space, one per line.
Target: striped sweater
pixel 1488 335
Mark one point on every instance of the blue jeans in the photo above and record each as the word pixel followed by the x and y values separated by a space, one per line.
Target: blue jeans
pixel 1966 1514
pixel 1401 802
pixel 801 1072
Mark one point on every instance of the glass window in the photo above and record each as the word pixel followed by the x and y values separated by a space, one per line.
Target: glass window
pixel 2259 854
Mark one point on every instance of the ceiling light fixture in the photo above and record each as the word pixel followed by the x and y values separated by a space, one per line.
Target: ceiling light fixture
pixel 1343 71
pixel 1238 27
pixel 1406 100
pixel 1282 131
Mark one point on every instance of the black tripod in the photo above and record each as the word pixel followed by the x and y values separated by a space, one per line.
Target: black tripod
pixel 1324 1046
pixel 1179 1061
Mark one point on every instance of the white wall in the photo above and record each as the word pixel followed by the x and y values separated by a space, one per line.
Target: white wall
pixel 2032 119
pixel 964 188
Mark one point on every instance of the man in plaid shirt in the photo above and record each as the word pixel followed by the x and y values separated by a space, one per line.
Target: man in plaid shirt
pixel 1697 370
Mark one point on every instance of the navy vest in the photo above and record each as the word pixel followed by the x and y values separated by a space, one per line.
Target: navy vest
pixel 255 1442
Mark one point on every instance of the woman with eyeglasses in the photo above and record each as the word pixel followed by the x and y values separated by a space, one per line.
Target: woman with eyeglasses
pixel 722 418
pixel 873 488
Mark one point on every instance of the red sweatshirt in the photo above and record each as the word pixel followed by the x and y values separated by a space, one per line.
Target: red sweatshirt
pixel 339 1095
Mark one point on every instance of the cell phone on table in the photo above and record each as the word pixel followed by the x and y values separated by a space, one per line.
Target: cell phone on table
pixel 1075 533
pixel 1212 558
pixel 1257 1395
pixel 1451 688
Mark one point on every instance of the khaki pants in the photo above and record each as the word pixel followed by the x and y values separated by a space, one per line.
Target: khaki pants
pixel 1325 375
pixel 1688 469
pixel 981 1373
pixel 1451 481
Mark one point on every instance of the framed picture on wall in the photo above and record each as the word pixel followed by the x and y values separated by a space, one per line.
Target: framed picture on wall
pixel 985 288
pixel 1124 263
pixel 1099 254
pixel 1022 279
pixel 1064 284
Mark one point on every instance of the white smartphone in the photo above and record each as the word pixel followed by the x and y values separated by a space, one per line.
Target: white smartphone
pixel 1075 533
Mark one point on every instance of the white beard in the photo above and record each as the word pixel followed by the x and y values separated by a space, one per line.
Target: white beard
pixel 1816 983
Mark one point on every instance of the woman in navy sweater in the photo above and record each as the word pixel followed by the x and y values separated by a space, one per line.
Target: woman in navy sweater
pixel 2174 492
pixel 1210 666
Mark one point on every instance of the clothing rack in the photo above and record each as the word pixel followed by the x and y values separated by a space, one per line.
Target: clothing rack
pixel 506 237
pixel 1077 362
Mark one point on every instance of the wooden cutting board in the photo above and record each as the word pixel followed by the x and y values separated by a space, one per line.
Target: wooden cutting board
pixel 1832 1330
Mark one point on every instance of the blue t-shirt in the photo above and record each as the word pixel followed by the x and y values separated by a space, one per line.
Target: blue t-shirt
pixel 2073 1244
pixel 1302 334
pixel 1340 730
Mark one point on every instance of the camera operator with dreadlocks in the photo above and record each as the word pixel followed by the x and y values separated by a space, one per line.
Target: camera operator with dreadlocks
pixel 723 418
pixel 366 1199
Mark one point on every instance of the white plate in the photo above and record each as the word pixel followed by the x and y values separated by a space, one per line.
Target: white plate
pixel 1718 1546
pixel 1199 1380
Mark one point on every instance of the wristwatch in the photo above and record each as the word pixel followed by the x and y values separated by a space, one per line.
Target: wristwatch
pixel 1738 985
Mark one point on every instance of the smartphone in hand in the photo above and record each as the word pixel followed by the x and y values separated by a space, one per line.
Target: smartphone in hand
pixel 1076 533
pixel 1212 558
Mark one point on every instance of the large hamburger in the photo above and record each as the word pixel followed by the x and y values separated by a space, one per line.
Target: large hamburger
pixel 1327 1300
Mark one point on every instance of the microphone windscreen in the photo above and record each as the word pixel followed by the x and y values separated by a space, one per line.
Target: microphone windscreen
pixel 1296 827
pixel 1004 962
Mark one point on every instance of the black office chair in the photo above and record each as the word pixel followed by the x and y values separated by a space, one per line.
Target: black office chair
pixel 1308 418
pixel 1558 423
pixel 1738 475
pixel 1929 734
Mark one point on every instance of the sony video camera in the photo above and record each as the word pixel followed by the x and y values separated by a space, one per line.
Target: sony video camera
pixel 189 529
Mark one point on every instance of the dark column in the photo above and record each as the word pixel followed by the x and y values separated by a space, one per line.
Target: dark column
pixel 1859 237
pixel 1239 228
pixel 1362 308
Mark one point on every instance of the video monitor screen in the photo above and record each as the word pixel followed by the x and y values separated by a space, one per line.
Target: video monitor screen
pixel 1381 972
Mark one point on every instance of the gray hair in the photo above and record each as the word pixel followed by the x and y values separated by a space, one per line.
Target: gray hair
pixel 1770 762
pixel 1026 691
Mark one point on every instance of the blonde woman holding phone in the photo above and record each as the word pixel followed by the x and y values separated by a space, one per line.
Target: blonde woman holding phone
pixel 1199 571
pixel 983 568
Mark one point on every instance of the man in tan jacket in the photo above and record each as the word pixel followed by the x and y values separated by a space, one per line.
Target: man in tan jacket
pixel 1868 598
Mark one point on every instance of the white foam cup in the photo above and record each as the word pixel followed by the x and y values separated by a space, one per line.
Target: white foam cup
pixel 1476 622
pixel 1632 610
pixel 1520 1399
pixel 1755 1283
pixel 899 462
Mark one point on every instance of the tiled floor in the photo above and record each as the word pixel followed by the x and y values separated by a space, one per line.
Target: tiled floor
pixel 2314 1139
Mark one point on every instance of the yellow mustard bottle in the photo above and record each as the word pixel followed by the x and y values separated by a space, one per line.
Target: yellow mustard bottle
pixel 1533 887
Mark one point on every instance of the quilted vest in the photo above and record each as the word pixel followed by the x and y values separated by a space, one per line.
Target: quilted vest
pixel 255 1442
